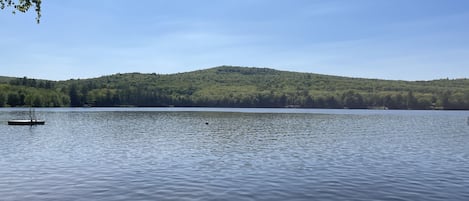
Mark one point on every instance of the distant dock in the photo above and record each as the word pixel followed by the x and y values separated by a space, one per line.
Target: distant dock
pixel 30 122
pixel 27 122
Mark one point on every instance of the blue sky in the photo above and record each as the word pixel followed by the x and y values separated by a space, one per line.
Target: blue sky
pixel 387 39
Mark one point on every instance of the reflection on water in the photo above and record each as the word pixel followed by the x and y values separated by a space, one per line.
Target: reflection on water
pixel 241 154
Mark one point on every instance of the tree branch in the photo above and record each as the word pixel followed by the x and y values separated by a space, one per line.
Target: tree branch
pixel 23 6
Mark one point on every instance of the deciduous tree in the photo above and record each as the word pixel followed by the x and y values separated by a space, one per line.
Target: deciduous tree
pixel 22 6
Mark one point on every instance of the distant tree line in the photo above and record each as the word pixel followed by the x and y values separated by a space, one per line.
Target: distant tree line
pixel 349 99
pixel 18 96
pixel 236 87
pixel 25 81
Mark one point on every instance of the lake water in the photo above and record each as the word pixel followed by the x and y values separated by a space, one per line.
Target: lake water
pixel 234 154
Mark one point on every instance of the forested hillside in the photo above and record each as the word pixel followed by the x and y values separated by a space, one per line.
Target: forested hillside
pixel 229 86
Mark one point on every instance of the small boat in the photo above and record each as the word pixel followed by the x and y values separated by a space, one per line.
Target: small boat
pixel 27 122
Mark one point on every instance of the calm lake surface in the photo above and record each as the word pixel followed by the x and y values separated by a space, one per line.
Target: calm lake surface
pixel 241 154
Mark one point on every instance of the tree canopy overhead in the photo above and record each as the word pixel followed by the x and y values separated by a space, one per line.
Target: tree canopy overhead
pixel 22 6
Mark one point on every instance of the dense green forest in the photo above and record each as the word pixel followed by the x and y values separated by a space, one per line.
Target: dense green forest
pixel 229 86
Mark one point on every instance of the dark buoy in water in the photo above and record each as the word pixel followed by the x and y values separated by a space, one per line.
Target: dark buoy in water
pixel 206 123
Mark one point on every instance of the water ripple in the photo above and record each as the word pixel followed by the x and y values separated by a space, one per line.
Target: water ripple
pixel 175 155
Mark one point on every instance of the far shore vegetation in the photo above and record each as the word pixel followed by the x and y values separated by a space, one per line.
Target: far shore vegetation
pixel 229 86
